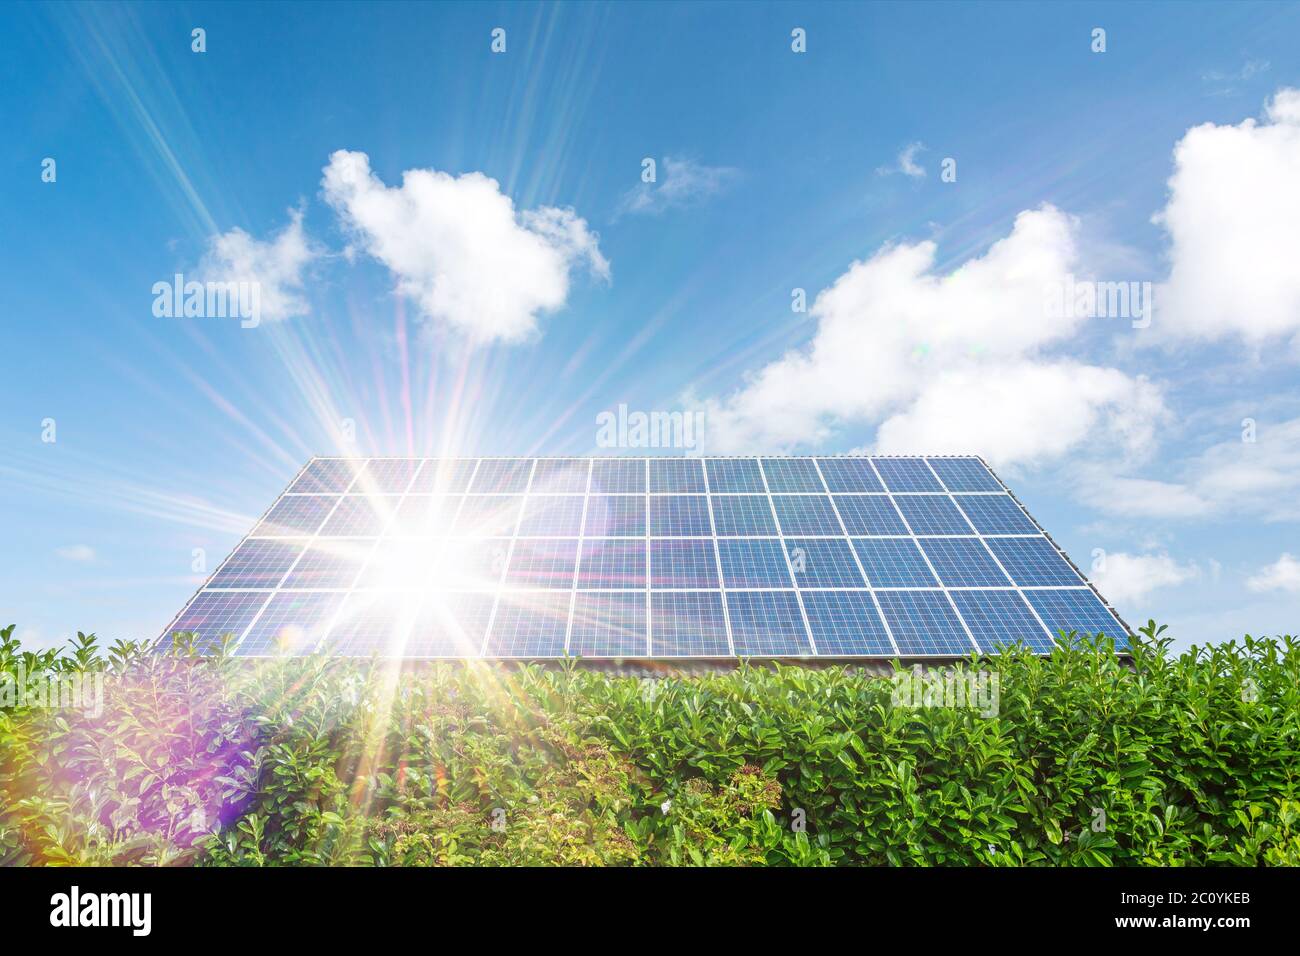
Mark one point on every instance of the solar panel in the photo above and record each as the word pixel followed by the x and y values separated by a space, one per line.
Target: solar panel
pixel 634 557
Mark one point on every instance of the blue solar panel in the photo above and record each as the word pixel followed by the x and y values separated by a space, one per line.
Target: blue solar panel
pixel 963 563
pixel 846 623
pixel 615 476
pixel 684 475
pixel 325 476
pixel 767 623
pixel 683 563
pixel 999 619
pixel 869 514
pixel 734 476
pixel 679 516
pixel 258 563
pixel 293 622
pixel 742 515
pixel 849 474
pixel 552 516
pixel 792 475
pixel 295 516
pixel 443 476
pixel 615 516
pixel 612 563
pixel 213 615
pixel 688 624
pixel 608 625
pixel 806 514
pixel 964 474
pixel 906 474
pixel 450 624
pixel 753 563
pixel 1033 562
pixel 923 622
pixel 823 563
pixel 893 563
pixel 932 514
pixel 995 514
pixel 543 563
pixel 529 625
pixel 373 544
pixel 1077 610
pixel 556 476
pixel 502 476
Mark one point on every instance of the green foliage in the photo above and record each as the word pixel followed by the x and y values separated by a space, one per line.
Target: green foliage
pixel 1090 760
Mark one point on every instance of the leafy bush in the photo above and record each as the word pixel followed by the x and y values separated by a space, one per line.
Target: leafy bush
pixel 1161 760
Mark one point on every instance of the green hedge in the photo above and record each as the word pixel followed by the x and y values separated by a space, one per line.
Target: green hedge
pixel 1169 760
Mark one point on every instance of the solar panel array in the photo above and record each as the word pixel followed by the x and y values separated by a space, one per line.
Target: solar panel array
pixel 645 558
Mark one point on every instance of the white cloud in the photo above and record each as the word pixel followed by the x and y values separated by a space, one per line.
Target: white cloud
pixel 906 163
pixel 1143 497
pixel 459 249
pixel 1282 575
pixel 81 553
pixel 276 265
pixel 1129 578
pixel 1233 220
pixel 950 362
pixel 680 182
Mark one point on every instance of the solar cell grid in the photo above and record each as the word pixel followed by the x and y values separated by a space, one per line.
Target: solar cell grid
pixel 680 475
pixel 767 623
pixel 608 625
pixel 792 475
pixel 805 514
pixel 618 563
pixel 849 475
pixel 932 514
pixel 736 556
pixel 258 563
pixel 963 563
pixel 679 516
pixel 683 563
pixel 870 515
pixel 615 516
pixel 753 563
pixel 1001 618
pixel 688 624
pixel 964 474
pixel 846 623
pixel 742 515
pixel 734 476
pixel 906 474
pixel 995 514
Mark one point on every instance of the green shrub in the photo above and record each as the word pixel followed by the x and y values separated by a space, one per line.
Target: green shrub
pixel 1090 760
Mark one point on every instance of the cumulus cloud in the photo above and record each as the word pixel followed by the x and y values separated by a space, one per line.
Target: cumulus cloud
pixel 906 163
pixel 679 182
pixel 1282 575
pixel 1259 478
pixel 1129 578
pixel 459 249
pixel 945 362
pixel 1233 221
pixel 80 553
pixel 275 264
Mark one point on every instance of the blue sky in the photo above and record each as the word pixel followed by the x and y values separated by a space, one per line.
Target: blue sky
pixel 529 279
